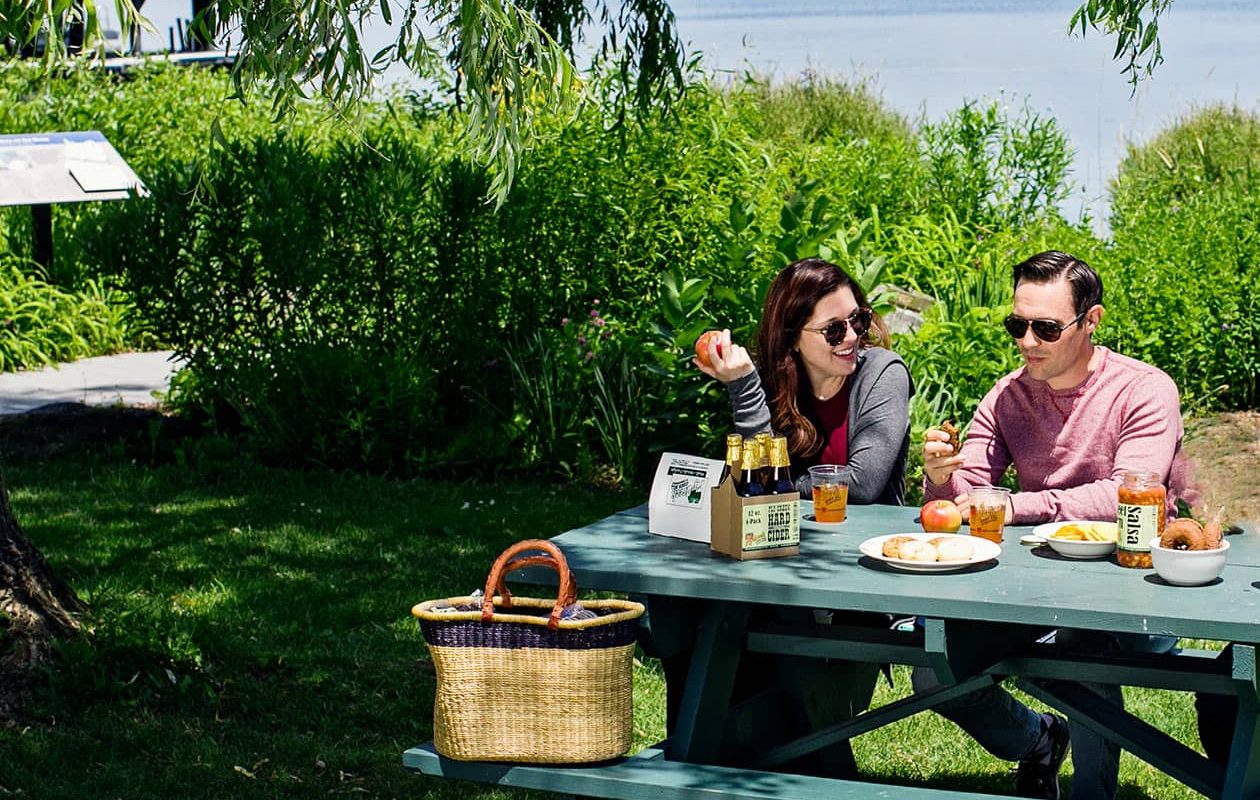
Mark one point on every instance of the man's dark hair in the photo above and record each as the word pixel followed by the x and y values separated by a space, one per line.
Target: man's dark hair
pixel 1087 290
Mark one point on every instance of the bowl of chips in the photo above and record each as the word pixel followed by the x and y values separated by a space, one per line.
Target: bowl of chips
pixel 1080 538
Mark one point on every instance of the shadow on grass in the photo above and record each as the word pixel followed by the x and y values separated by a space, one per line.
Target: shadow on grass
pixel 252 621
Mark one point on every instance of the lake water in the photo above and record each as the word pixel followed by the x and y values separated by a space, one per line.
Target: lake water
pixel 926 57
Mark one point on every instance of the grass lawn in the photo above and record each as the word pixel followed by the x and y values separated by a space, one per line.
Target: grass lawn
pixel 250 635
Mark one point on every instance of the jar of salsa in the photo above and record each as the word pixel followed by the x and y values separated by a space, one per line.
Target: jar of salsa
pixel 1139 518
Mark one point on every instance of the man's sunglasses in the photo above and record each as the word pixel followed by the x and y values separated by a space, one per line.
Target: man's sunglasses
pixel 835 332
pixel 1047 330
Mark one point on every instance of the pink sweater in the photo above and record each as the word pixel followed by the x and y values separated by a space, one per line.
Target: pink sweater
pixel 1070 445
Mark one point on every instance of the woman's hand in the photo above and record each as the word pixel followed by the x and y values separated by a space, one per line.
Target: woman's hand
pixel 729 361
pixel 939 459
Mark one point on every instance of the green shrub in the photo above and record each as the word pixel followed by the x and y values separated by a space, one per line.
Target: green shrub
pixel 291 289
pixel 992 170
pixel 1213 151
pixel 821 108
pixel 1186 257
pixel 41 324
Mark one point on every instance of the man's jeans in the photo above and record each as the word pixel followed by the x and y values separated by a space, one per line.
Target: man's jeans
pixel 1011 731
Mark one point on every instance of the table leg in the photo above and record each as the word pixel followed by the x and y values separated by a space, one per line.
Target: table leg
pixel 1148 743
pixel 710 680
pixel 1242 776
pixel 856 725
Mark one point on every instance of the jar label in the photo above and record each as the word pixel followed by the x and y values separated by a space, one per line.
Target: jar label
pixel 1137 526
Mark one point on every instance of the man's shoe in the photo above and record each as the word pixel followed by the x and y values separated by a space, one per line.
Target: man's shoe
pixel 1040 777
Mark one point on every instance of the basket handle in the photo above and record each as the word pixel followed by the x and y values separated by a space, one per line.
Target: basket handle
pixel 508 561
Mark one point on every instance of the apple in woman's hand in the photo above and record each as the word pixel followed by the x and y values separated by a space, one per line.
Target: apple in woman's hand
pixel 940 516
pixel 702 347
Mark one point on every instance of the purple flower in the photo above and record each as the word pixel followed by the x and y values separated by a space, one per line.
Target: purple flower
pixel 581 340
pixel 1224 326
pixel 594 313
pixel 564 321
pixel 606 335
pixel 599 322
pixel 590 354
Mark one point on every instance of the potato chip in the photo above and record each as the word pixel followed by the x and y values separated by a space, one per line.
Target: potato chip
pixel 1072 533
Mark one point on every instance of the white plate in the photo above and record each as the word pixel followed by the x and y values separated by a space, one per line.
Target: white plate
pixel 1071 548
pixel 984 551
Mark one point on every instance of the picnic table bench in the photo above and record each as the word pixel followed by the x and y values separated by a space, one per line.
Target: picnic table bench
pixel 978 625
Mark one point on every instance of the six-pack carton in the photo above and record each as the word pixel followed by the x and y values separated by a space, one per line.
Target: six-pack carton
pixel 766 526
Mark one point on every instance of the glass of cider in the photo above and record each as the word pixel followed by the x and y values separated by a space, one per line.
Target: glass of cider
pixel 988 512
pixel 831 492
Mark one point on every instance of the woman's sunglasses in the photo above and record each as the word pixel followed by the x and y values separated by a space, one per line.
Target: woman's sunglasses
pixel 1047 330
pixel 835 332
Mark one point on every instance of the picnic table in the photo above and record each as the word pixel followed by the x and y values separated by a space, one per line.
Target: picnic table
pixel 978 625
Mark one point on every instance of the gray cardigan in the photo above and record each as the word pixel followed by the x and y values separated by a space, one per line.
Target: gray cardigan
pixel 879 424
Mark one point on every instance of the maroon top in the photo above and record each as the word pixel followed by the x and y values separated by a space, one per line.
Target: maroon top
pixel 833 418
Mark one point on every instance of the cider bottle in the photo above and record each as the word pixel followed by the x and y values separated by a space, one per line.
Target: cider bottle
pixel 734 451
pixel 763 453
pixel 1139 517
pixel 780 481
pixel 750 484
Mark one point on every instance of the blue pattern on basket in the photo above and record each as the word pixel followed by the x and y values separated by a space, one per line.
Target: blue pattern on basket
pixel 514 635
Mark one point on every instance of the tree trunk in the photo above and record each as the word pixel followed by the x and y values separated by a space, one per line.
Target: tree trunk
pixel 35 607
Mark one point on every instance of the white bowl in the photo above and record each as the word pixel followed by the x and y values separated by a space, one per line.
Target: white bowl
pixel 1188 567
pixel 1073 548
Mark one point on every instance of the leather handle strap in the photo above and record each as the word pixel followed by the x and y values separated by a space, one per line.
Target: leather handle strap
pixel 513 559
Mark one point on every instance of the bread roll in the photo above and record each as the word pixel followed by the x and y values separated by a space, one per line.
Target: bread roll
pixel 914 550
pixel 955 548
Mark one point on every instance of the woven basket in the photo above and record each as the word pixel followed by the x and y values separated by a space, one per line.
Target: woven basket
pixel 515 682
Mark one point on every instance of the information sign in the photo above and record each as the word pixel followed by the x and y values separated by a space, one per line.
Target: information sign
pixel 68 167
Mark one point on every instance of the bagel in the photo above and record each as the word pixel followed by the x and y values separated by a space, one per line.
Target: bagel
pixel 892 545
pixel 1186 534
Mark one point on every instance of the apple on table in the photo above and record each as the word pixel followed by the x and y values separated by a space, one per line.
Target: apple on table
pixel 940 516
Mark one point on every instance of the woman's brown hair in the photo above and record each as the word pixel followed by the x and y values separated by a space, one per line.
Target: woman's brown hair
pixel 789 305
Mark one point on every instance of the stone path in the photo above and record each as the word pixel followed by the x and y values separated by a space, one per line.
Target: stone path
pixel 128 379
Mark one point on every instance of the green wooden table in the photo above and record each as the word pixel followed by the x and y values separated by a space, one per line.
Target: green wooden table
pixel 979 625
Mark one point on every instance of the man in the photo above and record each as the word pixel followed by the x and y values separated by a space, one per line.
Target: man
pixel 1070 421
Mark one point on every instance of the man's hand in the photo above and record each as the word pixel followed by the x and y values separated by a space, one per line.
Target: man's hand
pixel 939 459
pixel 731 363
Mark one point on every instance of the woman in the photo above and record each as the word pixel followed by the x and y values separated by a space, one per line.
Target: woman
pixel 835 390
pixel 840 396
